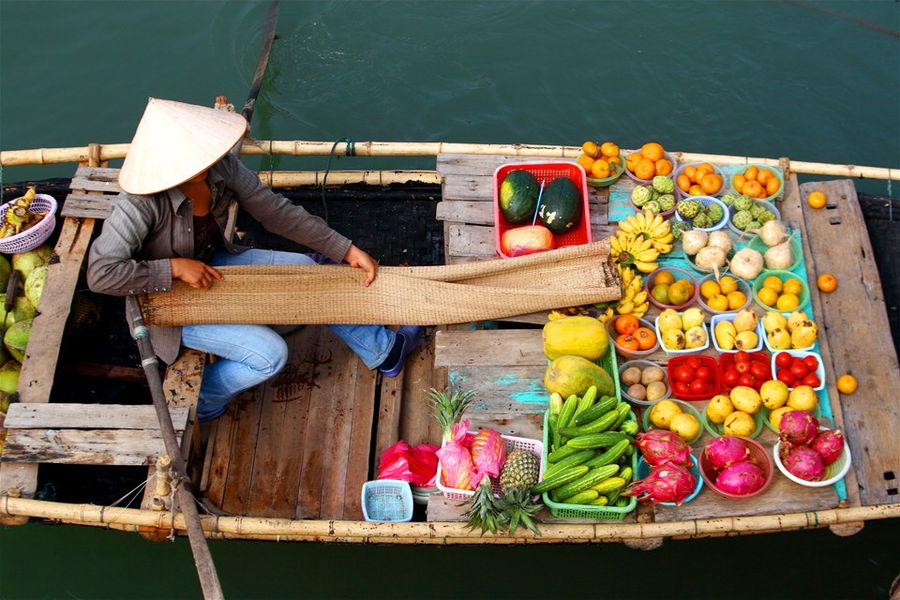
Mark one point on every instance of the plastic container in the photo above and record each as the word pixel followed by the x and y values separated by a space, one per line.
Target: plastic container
pixel 685 350
pixel 758 455
pixel 718 429
pixel 705 361
pixel 420 495
pixel 685 407
pixel 816 412
pixel 743 286
pixel 730 316
pixel 686 196
pixel 387 500
pixel 587 511
pixel 37 235
pixel 775 171
pixel 545 172
pixel 618 168
pixel 613 334
pixel 783 276
pixel 678 273
pixel 820 370
pixel 796 249
pixel 643 364
pixel 706 201
pixel 776 350
pixel 833 472
pixel 667 155
pixel 512 443
pixel 745 234
pixel 643 469
pixel 726 360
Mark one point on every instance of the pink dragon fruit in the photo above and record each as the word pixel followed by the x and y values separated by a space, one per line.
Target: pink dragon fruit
pixel 666 483
pixel 741 478
pixel 805 463
pixel 725 451
pixel 798 427
pixel 457 468
pixel 659 447
pixel 488 453
pixel 829 444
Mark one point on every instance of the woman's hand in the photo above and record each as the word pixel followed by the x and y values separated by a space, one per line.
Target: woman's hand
pixel 359 259
pixel 196 274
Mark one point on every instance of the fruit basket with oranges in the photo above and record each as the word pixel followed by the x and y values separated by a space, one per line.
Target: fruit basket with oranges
pixel 601 162
pixel 648 162
pixel 699 179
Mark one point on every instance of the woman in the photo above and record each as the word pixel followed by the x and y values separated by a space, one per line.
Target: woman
pixel 178 181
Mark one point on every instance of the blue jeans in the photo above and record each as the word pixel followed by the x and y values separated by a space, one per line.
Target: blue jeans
pixel 251 354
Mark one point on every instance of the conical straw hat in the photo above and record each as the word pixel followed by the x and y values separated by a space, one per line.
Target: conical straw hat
pixel 175 141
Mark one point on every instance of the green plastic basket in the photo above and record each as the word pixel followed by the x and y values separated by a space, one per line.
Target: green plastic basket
pixel 607 181
pixel 783 276
pixel 796 249
pixel 586 511
pixel 611 365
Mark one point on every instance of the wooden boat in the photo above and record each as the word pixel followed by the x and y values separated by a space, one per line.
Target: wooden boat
pixel 287 461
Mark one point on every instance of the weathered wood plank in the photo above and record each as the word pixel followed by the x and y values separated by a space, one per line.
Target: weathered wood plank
pixel 246 409
pixel 505 347
pixel 482 213
pixel 471 240
pixel 219 456
pixel 360 441
pixel 390 407
pixel 83 446
pixel 418 425
pixel 484 164
pixel 512 390
pixel 89 416
pixel 93 206
pixel 96 179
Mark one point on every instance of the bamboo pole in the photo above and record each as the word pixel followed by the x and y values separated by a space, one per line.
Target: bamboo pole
pixel 41 156
pixel 435 532
pixel 338 178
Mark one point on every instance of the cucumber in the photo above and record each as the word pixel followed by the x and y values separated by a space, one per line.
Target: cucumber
pixel 602 424
pixel 624 410
pixel 613 496
pixel 553 424
pixel 601 501
pixel 626 474
pixel 570 461
pixel 584 497
pixel 586 401
pixel 556 403
pixel 610 456
pixel 590 479
pixel 567 411
pixel 596 440
pixel 606 404
pixel 622 502
pixel 609 485
pixel 563 477
pixel 629 427
pixel 559 454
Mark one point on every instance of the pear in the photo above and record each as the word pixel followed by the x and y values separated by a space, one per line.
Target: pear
pixel 673 339
pixel 692 317
pixel 745 340
pixel 779 339
pixel 795 318
pixel 725 335
pixel 774 394
pixel 669 319
pixel 804 334
pixel 746 398
pixel 694 337
pixel 719 407
pixel 774 320
pixel 745 320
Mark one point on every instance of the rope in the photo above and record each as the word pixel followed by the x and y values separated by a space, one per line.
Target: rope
pixel 137 488
pixel 351 151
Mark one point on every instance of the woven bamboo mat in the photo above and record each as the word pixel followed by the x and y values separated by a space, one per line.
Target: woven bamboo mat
pixel 280 295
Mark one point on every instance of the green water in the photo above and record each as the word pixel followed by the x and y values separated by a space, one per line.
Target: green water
pixel 744 78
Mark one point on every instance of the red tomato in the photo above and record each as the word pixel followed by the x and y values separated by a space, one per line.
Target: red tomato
pixel 680 388
pixel 698 386
pixel 628 342
pixel 704 373
pixel 811 363
pixel 760 357
pixel 742 366
pixel 747 379
pixel 787 377
pixel 799 368
pixel 730 377
pixel 694 362
pixel 627 324
pixel 783 359
pixel 812 380
pixel 684 373
pixel 759 370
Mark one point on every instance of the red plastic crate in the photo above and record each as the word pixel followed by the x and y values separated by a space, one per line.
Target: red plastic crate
pixel 545 172
pixel 706 361
pixel 726 359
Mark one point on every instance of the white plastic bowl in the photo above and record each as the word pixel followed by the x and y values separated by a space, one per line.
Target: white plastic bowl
pixel 730 316
pixel 820 370
pixel 730 212
pixel 643 364
pixel 706 201
pixel 671 352
pixel 833 472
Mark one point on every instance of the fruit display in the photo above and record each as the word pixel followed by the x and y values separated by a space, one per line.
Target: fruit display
pixel 694 377
pixel 648 162
pixel 736 331
pixel 633 336
pixel 707 214
pixel 806 450
pixel 600 161
pixel 634 298
pixel 802 369
pixel 667 483
pixel 728 293
pixel 782 294
pixel 700 179
pixel 676 417
pixel 18 217
pixel 639 241
pixel 671 288
pixel 748 214
pixel 658 197
pixel 732 469
pixel 757 182
pixel 682 331
pixel 795 331
pixel 749 369
pixel 575 336
pixel 644 382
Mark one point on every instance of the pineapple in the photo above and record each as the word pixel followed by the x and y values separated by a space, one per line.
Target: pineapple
pixel 449 408
pixel 483 511
pixel 516 508
pixel 519 471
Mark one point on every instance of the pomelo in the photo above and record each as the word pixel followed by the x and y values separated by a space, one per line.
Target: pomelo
pixel 34 285
pixel 9 376
pixel 26 262
pixel 16 339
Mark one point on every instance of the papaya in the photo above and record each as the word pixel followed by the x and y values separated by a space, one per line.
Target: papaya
pixel 561 205
pixel 518 196
pixel 526 240
pixel 575 336
pixel 569 375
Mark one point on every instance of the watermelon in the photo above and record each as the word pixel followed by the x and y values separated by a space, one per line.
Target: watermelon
pixel 561 205
pixel 518 196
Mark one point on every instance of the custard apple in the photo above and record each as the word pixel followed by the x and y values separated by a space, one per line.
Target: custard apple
pixel 666 201
pixel 743 202
pixel 653 206
pixel 679 227
pixel 640 195
pixel 702 221
pixel 663 184
pixel 742 219
pixel 715 213
pixel 766 216
pixel 688 208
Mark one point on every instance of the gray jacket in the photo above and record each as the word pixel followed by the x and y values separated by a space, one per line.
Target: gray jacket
pixel 131 255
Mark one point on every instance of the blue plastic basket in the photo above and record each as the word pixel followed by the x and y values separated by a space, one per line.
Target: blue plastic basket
pixel 387 500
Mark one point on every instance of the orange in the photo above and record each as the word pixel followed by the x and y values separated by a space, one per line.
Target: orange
pixel 684 182
pixel 691 172
pixel 590 148
pixel 710 184
pixel 664 278
pixel 646 337
pixel 585 161
pixel 816 199
pixel 763 176
pixel 615 159
pixel 600 169
pixel 709 289
pixel 695 190
pixel 772 186
pixel 792 286
pixel 627 324
pixel 827 282
pixel 608 149
pixel 645 169
pixel 708 167
pixel 736 299
pixel 653 151
pixel 787 302
pixel 632 159
pixel 847 384
pixel 718 302
pixel 773 282
pixel 767 296
pixel 738 182
pixel 728 284
pixel 753 189
pixel 663 166
pixel 751 173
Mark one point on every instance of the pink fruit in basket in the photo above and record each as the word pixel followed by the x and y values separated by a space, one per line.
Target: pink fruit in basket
pixel 725 451
pixel 798 427
pixel 829 444
pixel 741 478
pixel 805 463
pixel 457 469
pixel 659 447
pixel 488 452
pixel 665 483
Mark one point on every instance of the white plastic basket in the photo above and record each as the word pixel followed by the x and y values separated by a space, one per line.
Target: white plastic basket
pixel 37 235
pixel 536 447
pixel 387 500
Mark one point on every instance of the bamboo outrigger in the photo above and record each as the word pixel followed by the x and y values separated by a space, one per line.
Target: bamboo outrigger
pixel 263 463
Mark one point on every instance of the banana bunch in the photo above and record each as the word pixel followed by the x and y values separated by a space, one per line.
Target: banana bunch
pixel 634 297
pixel 18 217
pixel 562 313
pixel 652 226
pixel 628 249
pixel 606 315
